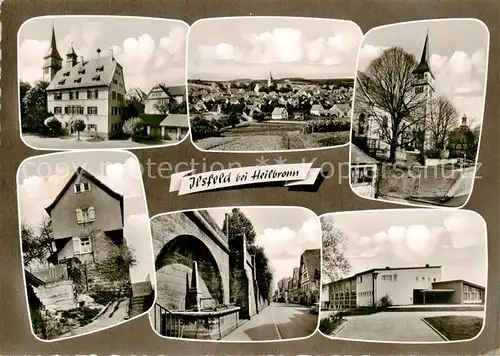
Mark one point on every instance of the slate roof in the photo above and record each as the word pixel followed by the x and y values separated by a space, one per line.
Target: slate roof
pixel 317 107
pixel 80 172
pixel 359 157
pixel 278 111
pixel 175 120
pixel 93 73
pixel 170 120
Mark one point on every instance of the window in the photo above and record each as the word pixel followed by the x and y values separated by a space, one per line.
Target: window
pixel 96 78
pixel 46 70
pixel 66 74
pixel 61 82
pixel 434 280
pixel 416 279
pixel 99 69
pixel 85 215
pixel 115 81
pixel 92 110
pixel 58 96
pixel 81 245
pixel 96 94
pixel 57 110
pixel 71 94
pixel 78 80
pixel 81 71
pixel 77 95
pixel 360 279
pixel 113 95
pixel 395 277
pixel 419 90
pixel 85 246
pixel 120 97
pixel 81 187
pixel 92 127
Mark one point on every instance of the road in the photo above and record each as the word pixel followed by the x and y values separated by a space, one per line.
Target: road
pixel 275 322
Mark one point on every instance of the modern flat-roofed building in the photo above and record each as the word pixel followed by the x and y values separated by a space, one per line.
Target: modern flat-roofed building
pixel 403 286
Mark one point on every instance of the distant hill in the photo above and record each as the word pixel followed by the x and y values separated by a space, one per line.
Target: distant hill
pixel 336 81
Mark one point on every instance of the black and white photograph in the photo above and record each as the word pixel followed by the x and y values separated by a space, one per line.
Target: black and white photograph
pixel 244 274
pixel 411 276
pixel 86 242
pixel 88 82
pixel 271 83
pixel 418 111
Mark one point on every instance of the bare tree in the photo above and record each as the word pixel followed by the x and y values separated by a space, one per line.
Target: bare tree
pixel 443 119
pixel 385 91
pixel 335 264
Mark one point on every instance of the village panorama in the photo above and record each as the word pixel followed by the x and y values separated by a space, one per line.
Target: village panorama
pixel 270 114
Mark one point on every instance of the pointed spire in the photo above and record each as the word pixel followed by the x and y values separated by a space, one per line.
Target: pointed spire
pixel 424 65
pixel 52 50
pixel 71 50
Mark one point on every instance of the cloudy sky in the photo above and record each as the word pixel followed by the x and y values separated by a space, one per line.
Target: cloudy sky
pixel 283 232
pixel 150 50
pixel 458 51
pixel 455 240
pixel 40 179
pixel 249 47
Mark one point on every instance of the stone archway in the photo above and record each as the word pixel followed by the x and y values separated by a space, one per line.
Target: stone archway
pixel 174 262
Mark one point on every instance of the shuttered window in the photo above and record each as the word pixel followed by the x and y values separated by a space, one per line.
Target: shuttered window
pixel 76 245
pixel 79 216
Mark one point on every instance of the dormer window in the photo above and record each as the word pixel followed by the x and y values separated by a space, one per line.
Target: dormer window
pixel 66 74
pixel 61 82
pixel 78 80
pixel 99 69
pixel 81 71
pixel 96 78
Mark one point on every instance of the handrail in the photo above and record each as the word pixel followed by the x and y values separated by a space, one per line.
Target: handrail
pixel 163 324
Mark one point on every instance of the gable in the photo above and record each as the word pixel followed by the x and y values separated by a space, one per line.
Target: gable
pixel 82 175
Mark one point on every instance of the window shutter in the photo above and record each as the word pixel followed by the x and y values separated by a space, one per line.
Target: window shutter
pixel 91 213
pixel 79 216
pixel 76 245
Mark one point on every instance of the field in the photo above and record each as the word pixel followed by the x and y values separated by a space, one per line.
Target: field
pixel 270 136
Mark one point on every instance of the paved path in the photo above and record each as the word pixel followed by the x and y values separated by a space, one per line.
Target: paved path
pixel 395 326
pixel 108 319
pixel 72 143
pixel 275 322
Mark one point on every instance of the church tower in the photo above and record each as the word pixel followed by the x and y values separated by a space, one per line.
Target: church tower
pixel 270 79
pixel 424 89
pixel 71 57
pixel 52 61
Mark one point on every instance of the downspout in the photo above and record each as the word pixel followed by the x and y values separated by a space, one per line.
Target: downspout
pixel 373 289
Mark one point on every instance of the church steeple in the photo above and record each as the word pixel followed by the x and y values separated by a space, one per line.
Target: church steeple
pixel 52 50
pixel 52 61
pixel 270 79
pixel 71 57
pixel 424 65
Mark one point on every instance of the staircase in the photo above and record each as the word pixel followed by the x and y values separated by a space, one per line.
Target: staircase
pixel 142 298
pixel 433 183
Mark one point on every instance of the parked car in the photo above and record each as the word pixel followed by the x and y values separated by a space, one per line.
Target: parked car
pixel 314 309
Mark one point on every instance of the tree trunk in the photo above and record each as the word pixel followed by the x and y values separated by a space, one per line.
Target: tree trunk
pixel 78 135
pixel 392 152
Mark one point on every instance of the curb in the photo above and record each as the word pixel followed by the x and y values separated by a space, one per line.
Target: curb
pixel 435 330
pixel 340 327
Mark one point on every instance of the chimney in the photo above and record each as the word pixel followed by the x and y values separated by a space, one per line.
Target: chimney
pixel 111 54
pixel 98 54
pixel 81 60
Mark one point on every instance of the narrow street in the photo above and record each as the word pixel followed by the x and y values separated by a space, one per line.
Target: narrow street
pixel 275 322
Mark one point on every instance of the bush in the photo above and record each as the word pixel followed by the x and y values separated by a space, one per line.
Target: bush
pixel 83 315
pixel 338 138
pixel 384 302
pixel 329 324
pixel 133 127
pixel 327 125
pixel 202 128
pixel 55 127
pixel 103 295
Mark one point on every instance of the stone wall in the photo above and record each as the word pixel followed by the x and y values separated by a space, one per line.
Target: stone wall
pixel 57 296
pixel 166 228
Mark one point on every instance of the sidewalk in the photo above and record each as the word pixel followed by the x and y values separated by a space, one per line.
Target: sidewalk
pixel 261 327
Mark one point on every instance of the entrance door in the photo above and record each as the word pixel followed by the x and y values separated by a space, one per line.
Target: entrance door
pixel 418 297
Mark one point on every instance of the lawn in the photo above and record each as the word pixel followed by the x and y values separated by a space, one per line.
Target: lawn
pixel 455 327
